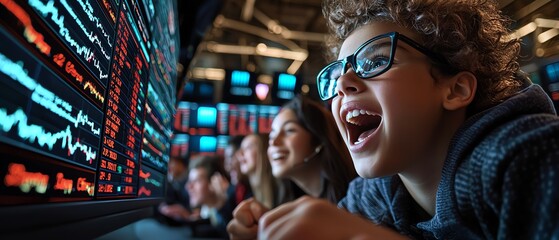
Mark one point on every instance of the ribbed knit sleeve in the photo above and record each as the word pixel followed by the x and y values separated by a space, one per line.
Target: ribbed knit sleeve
pixel 385 201
pixel 510 187
pixel 365 198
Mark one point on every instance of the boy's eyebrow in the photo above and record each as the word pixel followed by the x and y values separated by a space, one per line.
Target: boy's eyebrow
pixel 386 44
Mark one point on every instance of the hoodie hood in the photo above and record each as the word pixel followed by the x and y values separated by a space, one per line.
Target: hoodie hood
pixel 531 100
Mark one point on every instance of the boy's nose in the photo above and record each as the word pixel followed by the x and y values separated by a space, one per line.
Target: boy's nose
pixel 349 83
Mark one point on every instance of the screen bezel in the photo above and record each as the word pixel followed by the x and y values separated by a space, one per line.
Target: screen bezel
pixel 69 220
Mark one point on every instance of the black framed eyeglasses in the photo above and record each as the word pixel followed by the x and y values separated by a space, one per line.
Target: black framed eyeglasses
pixel 372 58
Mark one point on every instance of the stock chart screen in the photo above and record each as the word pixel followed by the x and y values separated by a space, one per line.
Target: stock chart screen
pixel 87 98
pixel 238 119
pixel 206 128
pixel 196 119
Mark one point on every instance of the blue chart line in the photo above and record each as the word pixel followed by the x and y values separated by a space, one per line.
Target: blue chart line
pixel 35 133
pixel 90 34
pixel 155 147
pixel 44 97
pixel 77 34
pixel 40 112
pixel 163 109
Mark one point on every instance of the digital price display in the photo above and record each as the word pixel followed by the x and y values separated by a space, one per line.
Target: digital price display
pixel 123 128
pixel 87 99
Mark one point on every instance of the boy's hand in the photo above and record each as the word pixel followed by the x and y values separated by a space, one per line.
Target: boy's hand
pixel 311 218
pixel 245 220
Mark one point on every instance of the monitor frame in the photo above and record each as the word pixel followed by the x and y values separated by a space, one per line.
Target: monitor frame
pixel 84 220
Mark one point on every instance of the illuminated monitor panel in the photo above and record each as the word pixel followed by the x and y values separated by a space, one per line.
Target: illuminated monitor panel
pixel 222 118
pixel 182 117
pixel 238 87
pixel 266 116
pixel 151 183
pixel 156 139
pixel 196 119
pixel 28 174
pixel 87 99
pixel 26 26
pixel 226 119
pixel 180 145
pixel 73 23
pixel 222 143
pixel 242 119
pixel 200 92
pixel 551 73
pixel 202 145
pixel 123 128
pixel 41 113
pixel 285 87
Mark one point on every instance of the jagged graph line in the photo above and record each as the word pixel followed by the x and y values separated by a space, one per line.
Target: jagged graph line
pixel 86 53
pixel 43 96
pixel 89 33
pixel 88 9
pixel 35 133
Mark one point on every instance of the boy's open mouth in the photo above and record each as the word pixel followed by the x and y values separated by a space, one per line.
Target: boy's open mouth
pixel 361 124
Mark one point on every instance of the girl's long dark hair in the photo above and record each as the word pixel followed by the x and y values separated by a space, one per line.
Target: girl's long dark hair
pixel 337 166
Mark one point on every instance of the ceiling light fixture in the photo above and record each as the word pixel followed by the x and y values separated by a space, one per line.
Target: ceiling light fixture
pixel 546 23
pixel 549 34
pixel 248 10
pixel 217 74
pixel 259 50
pixel 524 30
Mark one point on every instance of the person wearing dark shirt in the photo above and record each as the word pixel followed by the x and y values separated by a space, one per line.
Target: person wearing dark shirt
pixel 209 189
pixel 451 140
pixel 176 211
pixel 173 218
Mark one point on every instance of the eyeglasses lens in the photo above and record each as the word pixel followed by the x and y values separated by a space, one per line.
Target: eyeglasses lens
pixel 370 60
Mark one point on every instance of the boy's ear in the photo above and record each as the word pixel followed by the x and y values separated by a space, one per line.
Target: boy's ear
pixel 461 90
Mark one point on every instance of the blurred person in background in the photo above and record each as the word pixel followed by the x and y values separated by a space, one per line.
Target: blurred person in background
pixel 209 189
pixel 306 148
pixel 254 163
pixel 231 163
pixel 176 207
pixel 173 217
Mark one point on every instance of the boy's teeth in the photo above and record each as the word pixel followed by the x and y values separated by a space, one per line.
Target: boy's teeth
pixel 356 112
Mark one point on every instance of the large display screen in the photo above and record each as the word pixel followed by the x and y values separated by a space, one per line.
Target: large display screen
pixel 285 87
pixel 206 128
pixel 238 87
pixel 87 98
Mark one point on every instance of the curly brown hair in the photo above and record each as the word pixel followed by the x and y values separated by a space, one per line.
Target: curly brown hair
pixel 472 35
